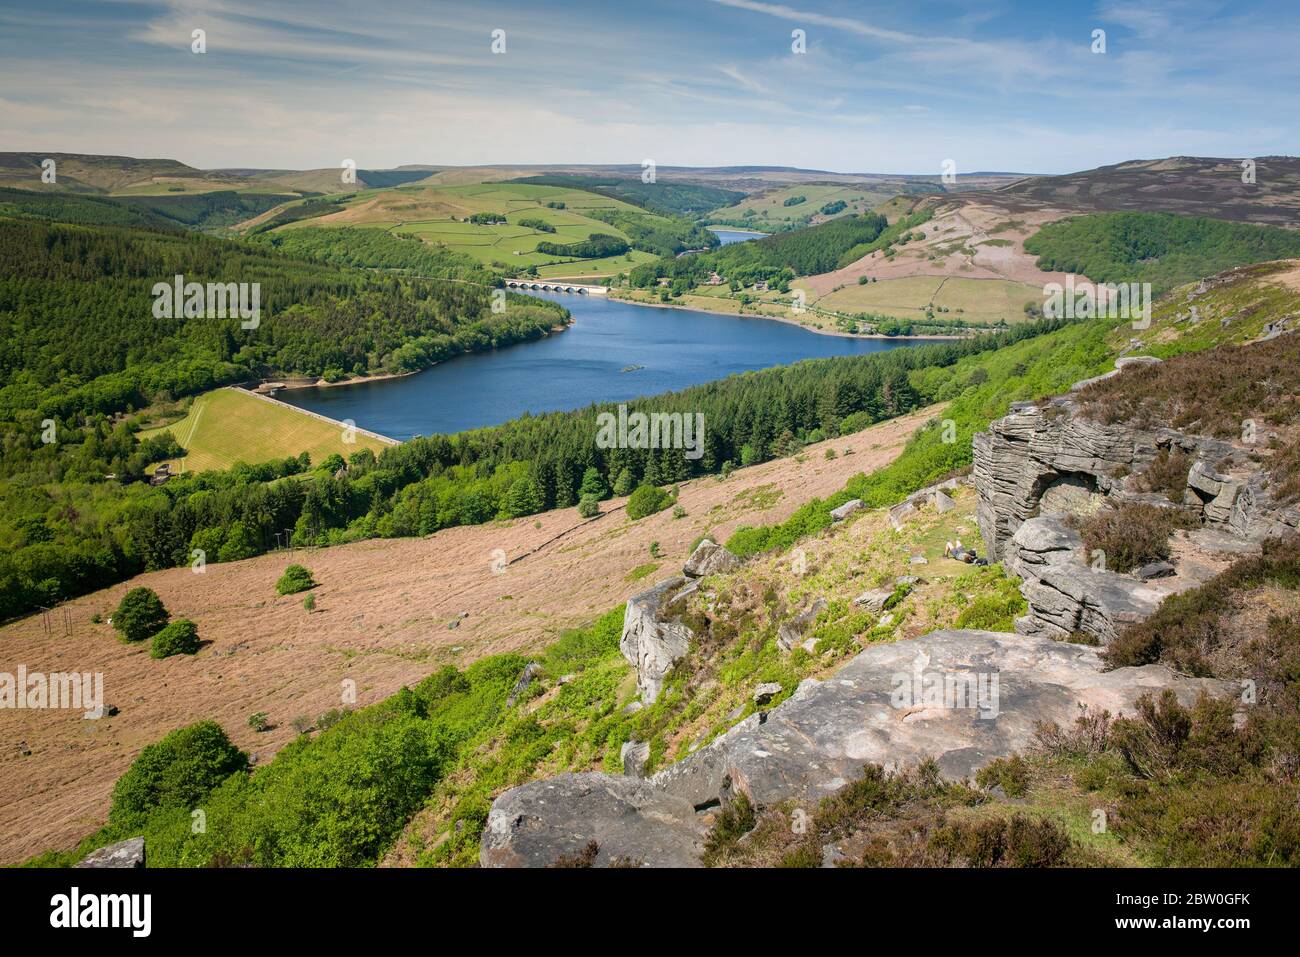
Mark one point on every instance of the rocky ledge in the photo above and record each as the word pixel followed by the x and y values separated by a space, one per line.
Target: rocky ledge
pixel 123 854
pixel 1065 594
pixel 654 638
pixel 963 698
pixel 1044 459
pixel 1043 462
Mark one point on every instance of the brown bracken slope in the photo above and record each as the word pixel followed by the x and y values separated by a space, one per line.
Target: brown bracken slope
pixel 382 619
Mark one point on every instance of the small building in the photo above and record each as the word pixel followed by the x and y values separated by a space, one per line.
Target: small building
pixel 760 286
pixel 714 280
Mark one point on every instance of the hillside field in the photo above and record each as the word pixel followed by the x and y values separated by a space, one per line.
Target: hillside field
pixel 982 301
pixel 230 425
pixel 438 214
pixel 769 207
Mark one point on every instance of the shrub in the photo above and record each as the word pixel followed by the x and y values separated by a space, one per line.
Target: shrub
pixel 997 603
pixel 139 615
pixel 1011 774
pixel 578 648
pixel 623 484
pixel 1018 841
pixel 588 506
pixel 296 578
pixel 446 681
pixel 331 717
pixel 180 637
pixel 583 858
pixel 258 721
pixel 176 772
pixel 1188 626
pixel 309 602
pixel 1167 473
pixel 1132 535
pixel 732 823
pixel 647 500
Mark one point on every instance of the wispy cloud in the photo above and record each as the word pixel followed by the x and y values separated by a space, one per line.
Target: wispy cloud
pixel 1010 85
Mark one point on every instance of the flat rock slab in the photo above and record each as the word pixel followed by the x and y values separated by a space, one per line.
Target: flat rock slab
pixel 881 708
pixel 534 824
pixel 872 711
pixel 873 599
pixel 128 853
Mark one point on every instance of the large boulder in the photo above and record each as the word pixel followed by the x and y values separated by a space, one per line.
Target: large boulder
pixel 653 639
pixel 709 558
pixel 844 511
pixel 634 755
pixel 1065 595
pixel 529 675
pixel 964 698
pixel 630 820
pixel 128 853
pixel 790 633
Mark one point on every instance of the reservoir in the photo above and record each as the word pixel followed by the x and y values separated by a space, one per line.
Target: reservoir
pixel 662 349
pixel 729 236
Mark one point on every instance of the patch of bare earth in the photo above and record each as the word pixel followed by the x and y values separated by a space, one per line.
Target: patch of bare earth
pixel 382 617
pixel 958 237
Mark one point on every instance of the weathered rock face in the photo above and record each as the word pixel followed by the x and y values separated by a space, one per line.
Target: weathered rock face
pixel 845 510
pixel 1049 459
pixel 534 824
pixel 128 853
pixel 530 673
pixel 653 641
pixel 709 558
pixel 789 634
pixel 634 755
pixel 964 698
pixel 1065 594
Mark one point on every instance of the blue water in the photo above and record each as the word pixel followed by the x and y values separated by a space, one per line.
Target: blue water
pixel 729 236
pixel 574 368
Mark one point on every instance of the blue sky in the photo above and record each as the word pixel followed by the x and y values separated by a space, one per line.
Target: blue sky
pixel 883 87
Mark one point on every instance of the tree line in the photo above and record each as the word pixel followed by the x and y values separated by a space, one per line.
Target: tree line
pixel 524 466
pixel 1164 249
pixel 800 252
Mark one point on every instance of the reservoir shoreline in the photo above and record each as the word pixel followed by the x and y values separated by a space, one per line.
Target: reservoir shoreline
pixel 613 351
